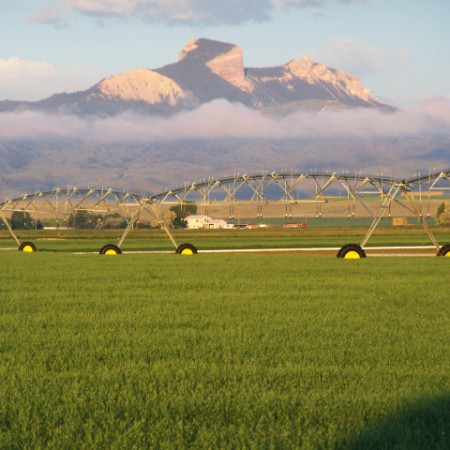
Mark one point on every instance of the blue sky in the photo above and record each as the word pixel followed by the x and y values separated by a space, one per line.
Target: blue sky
pixel 399 49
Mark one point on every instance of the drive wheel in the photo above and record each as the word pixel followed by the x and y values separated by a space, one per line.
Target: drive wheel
pixel 186 249
pixel 444 250
pixel 110 249
pixel 27 247
pixel 351 251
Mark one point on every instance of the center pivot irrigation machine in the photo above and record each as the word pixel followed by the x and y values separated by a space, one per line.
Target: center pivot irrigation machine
pixel 284 188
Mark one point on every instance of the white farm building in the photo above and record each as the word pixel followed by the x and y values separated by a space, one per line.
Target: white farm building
pixel 201 221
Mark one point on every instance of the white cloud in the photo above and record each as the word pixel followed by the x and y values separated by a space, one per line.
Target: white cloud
pixel 27 80
pixel 221 119
pixel 175 11
pixel 12 67
pixel 20 79
pixel 53 14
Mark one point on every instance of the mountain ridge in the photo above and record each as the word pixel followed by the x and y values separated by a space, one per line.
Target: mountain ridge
pixel 207 70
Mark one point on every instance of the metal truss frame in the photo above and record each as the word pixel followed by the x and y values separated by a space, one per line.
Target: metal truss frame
pixel 285 188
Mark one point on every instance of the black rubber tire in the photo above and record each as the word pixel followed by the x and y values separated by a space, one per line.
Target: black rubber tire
pixel 186 249
pixel 27 247
pixel 354 249
pixel 444 250
pixel 110 249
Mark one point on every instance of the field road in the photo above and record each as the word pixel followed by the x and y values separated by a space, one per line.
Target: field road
pixel 399 251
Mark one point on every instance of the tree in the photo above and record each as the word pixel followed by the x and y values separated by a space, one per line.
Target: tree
pixel 87 220
pixel 182 210
pixel 83 220
pixel 112 221
pixel 20 220
pixel 167 219
pixel 443 214
pixel 179 222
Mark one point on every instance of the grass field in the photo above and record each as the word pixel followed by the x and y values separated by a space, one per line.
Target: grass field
pixel 224 351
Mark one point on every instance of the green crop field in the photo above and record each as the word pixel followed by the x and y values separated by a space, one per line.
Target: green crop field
pixel 223 351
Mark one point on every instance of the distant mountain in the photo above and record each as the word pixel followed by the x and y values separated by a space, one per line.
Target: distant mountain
pixel 154 166
pixel 207 70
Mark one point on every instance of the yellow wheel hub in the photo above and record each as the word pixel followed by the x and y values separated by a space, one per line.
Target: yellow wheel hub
pixel 29 249
pixel 447 254
pixel 187 251
pixel 110 252
pixel 352 255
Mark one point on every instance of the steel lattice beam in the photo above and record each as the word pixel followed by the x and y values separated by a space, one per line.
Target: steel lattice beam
pixel 285 187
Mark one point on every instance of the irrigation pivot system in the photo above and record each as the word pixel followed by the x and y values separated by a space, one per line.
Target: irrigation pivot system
pixel 285 188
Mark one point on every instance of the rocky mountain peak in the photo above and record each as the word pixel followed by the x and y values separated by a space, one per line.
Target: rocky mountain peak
pixel 313 72
pixel 309 70
pixel 190 47
pixel 204 49
pixel 223 59
pixel 141 85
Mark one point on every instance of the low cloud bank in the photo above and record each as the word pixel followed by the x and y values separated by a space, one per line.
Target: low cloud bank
pixel 221 119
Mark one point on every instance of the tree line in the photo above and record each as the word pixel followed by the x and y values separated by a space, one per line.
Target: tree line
pixel 22 220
